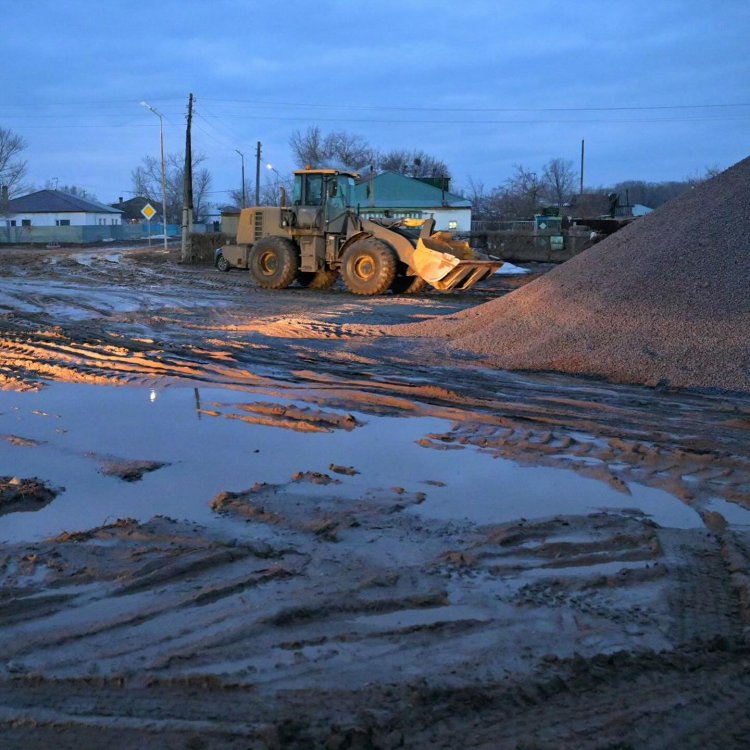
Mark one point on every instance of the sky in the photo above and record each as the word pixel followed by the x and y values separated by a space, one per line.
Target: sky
pixel 658 89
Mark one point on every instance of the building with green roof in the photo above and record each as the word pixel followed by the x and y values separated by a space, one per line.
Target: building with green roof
pixel 394 195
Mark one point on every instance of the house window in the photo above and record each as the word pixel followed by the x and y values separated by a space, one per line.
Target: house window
pixel 452 225
pixel 10 222
pixel 62 222
pixel 25 222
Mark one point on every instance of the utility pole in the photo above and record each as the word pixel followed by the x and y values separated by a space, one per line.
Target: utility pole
pixel 257 175
pixel 582 152
pixel 242 156
pixel 163 171
pixel 187 200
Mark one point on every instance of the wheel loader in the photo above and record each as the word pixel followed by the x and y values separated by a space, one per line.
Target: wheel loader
pixel 321 236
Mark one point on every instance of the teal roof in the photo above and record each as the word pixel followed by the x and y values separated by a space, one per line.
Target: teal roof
pixel 393 190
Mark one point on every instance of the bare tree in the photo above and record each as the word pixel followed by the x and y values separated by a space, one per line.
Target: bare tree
pixel 308 147
pixel 338 150
pixel 559 180
pixel 396 160
pixel 270 191
pixel 201 186
pixel 412 163
pixel 12 166
pixel 349 150
pixel 79 192
pixel 522 193
pixel 146 180
pixel 486 205
pixel 341 150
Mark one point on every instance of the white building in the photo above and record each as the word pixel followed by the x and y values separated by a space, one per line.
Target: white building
pixel 53 208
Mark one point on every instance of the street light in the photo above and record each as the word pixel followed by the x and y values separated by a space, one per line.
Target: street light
pixel 279 189
pixel 242 156
pixel 163 170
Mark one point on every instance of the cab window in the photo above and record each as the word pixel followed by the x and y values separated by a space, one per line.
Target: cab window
pixel 336 196
pixel 297 192
pixel 346 190
pixel 314 196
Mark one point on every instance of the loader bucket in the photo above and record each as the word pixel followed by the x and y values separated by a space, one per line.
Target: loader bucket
pixel 447 264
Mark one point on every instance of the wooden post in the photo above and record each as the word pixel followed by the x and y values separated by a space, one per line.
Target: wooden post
pixel 582 153
pixel 187 192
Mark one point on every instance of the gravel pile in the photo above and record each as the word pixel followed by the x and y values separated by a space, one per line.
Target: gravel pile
pixel 666 300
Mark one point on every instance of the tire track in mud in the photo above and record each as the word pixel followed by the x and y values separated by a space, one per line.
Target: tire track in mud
pixel 695 446
pixel 25 363
pixel 686 699
pixel 306 639
pixel 355 623
pixel 122 585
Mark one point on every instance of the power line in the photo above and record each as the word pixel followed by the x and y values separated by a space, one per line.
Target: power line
pixel 411 108
pixel 702 111
pixel 475 121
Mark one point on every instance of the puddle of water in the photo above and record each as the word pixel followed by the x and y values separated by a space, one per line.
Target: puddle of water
pixel 73 301
pixel 734 514
pixel 87 259
pixel 533 492
pixel 207 455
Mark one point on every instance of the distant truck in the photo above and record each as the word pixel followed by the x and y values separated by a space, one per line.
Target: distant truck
pixel 321 236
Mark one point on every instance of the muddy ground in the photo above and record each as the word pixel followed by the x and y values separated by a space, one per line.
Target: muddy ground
pixel 326 599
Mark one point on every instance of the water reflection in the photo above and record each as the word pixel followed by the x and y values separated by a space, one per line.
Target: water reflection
pixel 203 457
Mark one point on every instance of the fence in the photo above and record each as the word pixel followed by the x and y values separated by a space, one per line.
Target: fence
pixel 84 235
pixel 480 226
pixel 540 246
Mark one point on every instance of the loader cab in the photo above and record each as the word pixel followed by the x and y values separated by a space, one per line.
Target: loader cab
pixel 324 194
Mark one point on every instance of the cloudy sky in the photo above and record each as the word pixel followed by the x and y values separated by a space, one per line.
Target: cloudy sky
pixel 659 89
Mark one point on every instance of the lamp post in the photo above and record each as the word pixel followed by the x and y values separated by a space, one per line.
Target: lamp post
pixel 278 176
pixel 242 156
pixel 163 170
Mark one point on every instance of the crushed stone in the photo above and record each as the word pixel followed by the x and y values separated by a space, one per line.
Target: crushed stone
pixel 664 301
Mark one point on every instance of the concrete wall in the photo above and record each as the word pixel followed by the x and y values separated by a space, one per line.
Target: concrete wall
pixel 528 247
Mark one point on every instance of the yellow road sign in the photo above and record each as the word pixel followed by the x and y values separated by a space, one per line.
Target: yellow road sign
pixel 148 211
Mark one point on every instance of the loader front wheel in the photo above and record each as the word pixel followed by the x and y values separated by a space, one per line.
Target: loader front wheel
pixel 404 284
pixel 273 262
pixel 368 267
pixel 324 279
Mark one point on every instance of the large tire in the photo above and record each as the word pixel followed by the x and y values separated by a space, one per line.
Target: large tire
pixel 324 279
pixel 273 262
pixel 404 284
pixel 368 266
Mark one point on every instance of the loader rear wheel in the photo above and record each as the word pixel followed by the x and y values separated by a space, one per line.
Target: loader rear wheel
pixel 368 267
pixel 324 279
pixel 404 284
pixel 273 262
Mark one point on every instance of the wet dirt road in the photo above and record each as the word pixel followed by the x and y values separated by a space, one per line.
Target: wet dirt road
pixel 355 540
